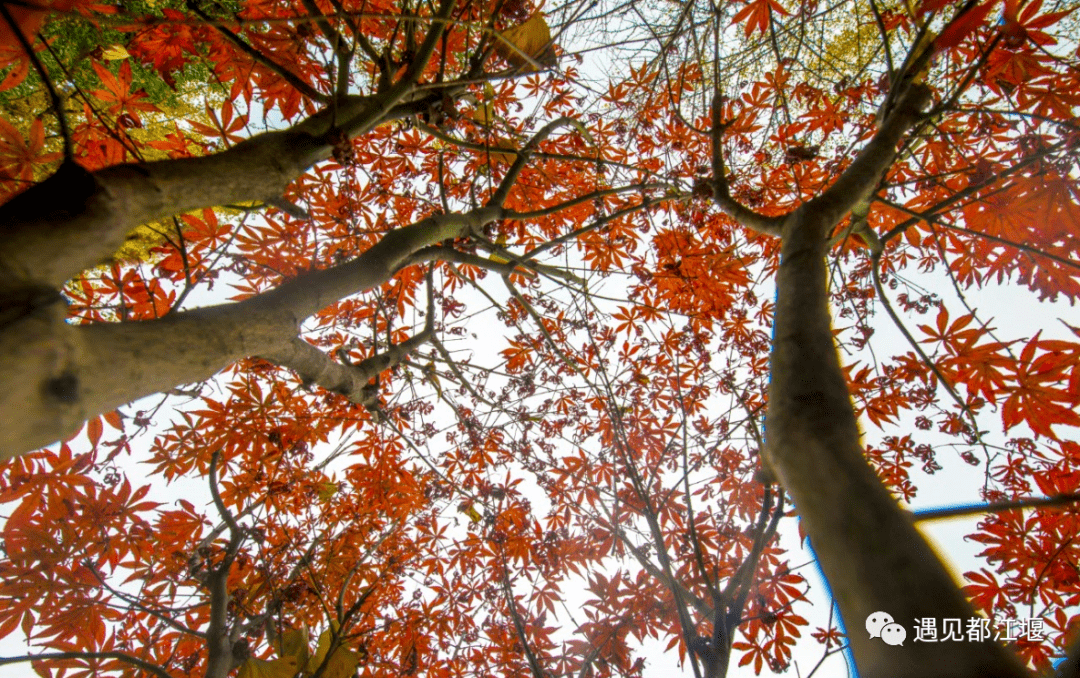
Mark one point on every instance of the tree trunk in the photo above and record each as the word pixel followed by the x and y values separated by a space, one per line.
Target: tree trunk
pixel 872 554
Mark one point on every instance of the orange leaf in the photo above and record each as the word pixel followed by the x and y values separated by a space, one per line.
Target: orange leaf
pixel 963 26
pixel 94 430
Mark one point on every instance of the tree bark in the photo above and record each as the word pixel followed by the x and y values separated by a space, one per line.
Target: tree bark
pixel 76 219
pixel 870 551
pixel 872 554
pixel 56 375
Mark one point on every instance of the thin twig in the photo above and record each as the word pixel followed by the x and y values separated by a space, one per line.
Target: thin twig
pixel 122 656
pixel 54 97
pixel 1057 501
pixel 260 58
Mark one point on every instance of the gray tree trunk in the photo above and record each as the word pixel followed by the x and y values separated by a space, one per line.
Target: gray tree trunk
pixel 869 549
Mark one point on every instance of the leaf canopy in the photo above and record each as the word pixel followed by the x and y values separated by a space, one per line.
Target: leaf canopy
pixel 458 356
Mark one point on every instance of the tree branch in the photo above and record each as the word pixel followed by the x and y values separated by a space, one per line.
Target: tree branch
pixel 507 150
pixel 721 191
pixel 220 660
pixel 1062 501
pixel 235 533
pixel 399 90
pixel 860 180
pixel 519 626
pixel 452 364
pixel 134 602
pixel 122 656
pixel 56 375
pixel 54 97
pixel 261 59
pixel 499 196
pixel 700 604
pixel 75 219
pixel 352 381
pixel 813 442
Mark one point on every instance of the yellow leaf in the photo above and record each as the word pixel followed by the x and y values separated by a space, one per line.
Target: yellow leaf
pixel 484 113
pixel 527 45
pixel 140 241
pixel 294 645
pixel 473 514
pixel 326 491
pixel 580 127
pixel 505 158
pixel 115 53
pixel 342 663
pixel 273 668
pixel 431 376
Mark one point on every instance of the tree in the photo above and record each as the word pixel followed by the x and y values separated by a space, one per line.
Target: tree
pixel 832 149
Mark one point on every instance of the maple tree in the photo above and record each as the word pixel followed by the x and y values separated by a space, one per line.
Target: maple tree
pixel 408 469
